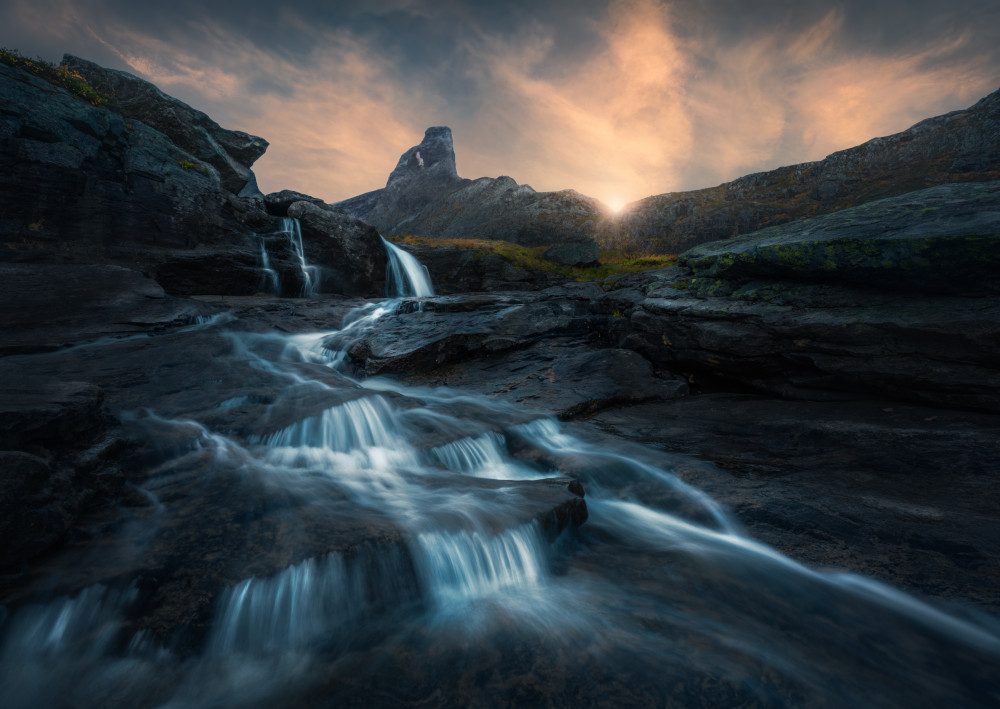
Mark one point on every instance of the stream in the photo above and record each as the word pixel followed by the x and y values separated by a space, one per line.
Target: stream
pixel 309 538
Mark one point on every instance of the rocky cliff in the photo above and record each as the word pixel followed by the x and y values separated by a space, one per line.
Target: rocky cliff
pixel 151 184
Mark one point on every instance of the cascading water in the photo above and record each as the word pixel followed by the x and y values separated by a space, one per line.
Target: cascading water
pixel 310 274
pixel 269 277
pixel 404 275
pixel 456 595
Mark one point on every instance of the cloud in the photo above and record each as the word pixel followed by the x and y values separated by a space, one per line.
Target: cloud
pixel 633 97
pixel 610 127
pixel 655 109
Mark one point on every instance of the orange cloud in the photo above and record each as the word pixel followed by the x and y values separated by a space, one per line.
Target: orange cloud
pixel 649 110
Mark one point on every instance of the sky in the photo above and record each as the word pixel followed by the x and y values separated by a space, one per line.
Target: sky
pixel 618 99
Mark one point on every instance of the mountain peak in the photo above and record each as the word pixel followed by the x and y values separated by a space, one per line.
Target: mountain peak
pixel 435 156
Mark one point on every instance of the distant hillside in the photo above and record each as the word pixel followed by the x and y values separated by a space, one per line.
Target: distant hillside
pixel 962 146
pixel 425 196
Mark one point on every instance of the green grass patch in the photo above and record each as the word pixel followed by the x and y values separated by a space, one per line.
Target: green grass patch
pixel 57 75
pixel 529 258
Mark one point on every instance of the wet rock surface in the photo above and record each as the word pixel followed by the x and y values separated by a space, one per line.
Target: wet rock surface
pixel 897 492
pixel 193 401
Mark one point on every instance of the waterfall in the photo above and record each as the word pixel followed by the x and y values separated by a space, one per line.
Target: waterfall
pixel 269 277
pixel 316 601
pixel 362 423
pixel 465 566
pixel 427 567
pixel 405 276
pixel 482 456
pixel 310 274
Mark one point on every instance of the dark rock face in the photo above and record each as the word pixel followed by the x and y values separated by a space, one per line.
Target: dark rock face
pixel 57 454
pixel 230 152
pixel 49 306
pixel 106 189
pixel 962 146
pixel 349 251
pixel 748 312
pixel 425 196
pixel 942 239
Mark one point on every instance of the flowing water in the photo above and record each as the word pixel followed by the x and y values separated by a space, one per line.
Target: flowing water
pixel 384 545
pixel 310 274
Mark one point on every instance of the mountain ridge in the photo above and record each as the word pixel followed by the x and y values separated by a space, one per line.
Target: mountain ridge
pixel 959 146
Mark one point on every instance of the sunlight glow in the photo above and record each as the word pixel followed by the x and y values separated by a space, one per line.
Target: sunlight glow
pixel 615 204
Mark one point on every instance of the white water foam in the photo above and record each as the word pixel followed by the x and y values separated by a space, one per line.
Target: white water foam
pixel 405 275
pixel 466 566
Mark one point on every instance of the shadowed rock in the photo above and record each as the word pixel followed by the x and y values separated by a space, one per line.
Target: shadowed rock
pixel 230 152
pixel 349 251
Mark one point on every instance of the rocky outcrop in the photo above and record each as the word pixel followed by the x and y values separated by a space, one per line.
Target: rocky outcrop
pixel 942 239
pixel 229 152
pixel 463 270
pixel 814 309
pixel 961 146
pixel 161 189
pixel 348 251
pixel 540 351
pixel 425 196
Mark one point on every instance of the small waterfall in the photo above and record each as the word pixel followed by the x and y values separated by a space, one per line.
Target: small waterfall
pixel 287 611
pixel 361 423
pixel 405 275
pixel 269 277
pixel 462 566
pixel 482 456
pixel 310 274
pixel 316 601
pixel 88 623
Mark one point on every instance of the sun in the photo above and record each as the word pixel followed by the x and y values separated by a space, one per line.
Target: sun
pixel 615 204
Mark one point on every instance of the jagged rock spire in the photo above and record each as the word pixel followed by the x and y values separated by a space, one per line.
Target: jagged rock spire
pixel 434 156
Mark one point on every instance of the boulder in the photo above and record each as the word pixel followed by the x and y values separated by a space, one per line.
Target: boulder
pixel 277 203
pixel 230 152
pixel 348 251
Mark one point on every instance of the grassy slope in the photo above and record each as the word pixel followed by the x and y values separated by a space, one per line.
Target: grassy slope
pixel 530 258
pixel 56 75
